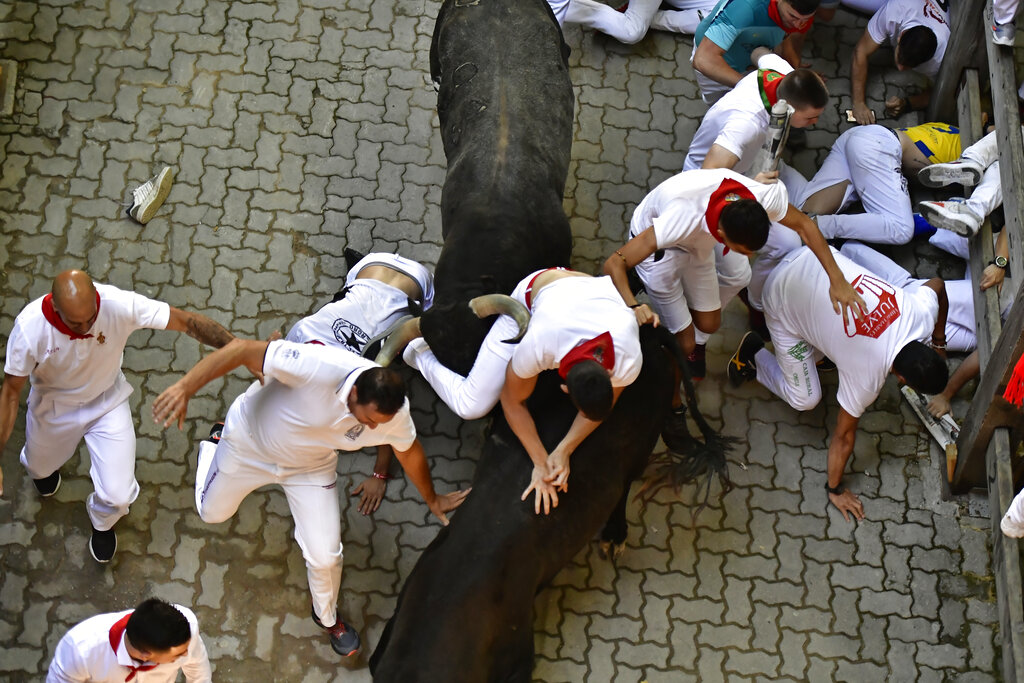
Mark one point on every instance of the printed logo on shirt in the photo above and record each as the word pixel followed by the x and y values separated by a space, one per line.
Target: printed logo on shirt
pixel 355 432
pixel 291 354
pixel 50 352
pixel 883 310
pixel 799 351
pixel 101 339
pixel 350 336
pixel 930 10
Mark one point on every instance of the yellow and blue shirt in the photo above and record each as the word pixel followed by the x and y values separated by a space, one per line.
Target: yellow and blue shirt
pixel 939 142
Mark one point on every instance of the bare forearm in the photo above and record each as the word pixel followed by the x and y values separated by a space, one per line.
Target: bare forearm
pixel 840 448
pixel 8 415
pixel 967 371
pixel 859 77
pixel 383 462
pixel 414 462
pixel 523 426
pixel 615 268
pixel 207 331
pixel 234 354
pixel 579 430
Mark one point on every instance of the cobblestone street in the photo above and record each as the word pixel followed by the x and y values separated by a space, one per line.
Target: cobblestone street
pixel 299 127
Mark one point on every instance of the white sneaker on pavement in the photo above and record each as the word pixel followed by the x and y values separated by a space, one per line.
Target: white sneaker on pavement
pixel 149 196
pixel 1004 34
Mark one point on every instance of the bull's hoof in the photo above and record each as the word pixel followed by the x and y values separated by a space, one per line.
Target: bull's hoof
pixel 609 550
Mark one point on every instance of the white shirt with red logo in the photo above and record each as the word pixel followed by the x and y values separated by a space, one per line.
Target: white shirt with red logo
pixel 797 297
pixel 300 415
pixel 896 16
pixel 77 371
pixel 676 209
pixel 737 122
pixel 571 310
pixel 85 653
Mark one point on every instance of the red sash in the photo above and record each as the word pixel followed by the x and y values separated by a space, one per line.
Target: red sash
pixel 529 286
pixel 600 349
pixel 116 634
pixel 729 191
pixel 50 313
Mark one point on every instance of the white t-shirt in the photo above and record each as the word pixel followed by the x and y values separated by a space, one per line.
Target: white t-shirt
pixel 896 16
pixel 300 415
pixel 572 310
pixel 77 371
pixel 677 206
pixel 737 122
pixel 797 297
pixel 85 654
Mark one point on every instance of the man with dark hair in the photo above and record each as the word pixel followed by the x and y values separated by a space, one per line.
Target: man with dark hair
pixel 864 351
pixel 682 230
pixel 149 644
pixel 918 31
pixel 727 36
pixel 579 326
pixel 379 289
pixel 71 343
pixel 286 431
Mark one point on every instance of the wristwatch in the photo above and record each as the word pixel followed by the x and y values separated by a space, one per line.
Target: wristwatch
pixel 998 262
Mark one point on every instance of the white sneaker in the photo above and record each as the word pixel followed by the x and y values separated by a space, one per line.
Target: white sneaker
pixel 953 214
pixel 150 195
pixel 961 171
pixel 1003 34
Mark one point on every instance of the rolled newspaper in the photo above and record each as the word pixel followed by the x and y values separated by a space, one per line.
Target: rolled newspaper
pixel 774 138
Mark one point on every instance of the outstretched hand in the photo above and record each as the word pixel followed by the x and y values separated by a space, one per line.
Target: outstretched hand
pixel 848 503
pixel 446 503
pixel 547 494
pixel 846 300
pixel 172 405
pixel 371 493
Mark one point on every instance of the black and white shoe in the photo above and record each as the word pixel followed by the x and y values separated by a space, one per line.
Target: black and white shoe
pixel 102 545
pixel 47 486
pixel 149 196
pixel 741 365
pixel 344 639
pixel 215 431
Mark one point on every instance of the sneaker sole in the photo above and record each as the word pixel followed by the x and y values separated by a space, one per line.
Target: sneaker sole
pixel 145 212
pixel 952 223
pixel 941 177
pixel 56 488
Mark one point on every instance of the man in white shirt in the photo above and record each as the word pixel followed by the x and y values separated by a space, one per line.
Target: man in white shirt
pixel 379 289
pixel 579 326
pixel 887 339
pixel 689 222
pixel 70 343
pixel 316 399
pixel 918 31
pixel 149 644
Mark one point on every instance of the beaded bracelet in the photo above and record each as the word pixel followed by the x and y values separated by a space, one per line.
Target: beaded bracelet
pixel 383 477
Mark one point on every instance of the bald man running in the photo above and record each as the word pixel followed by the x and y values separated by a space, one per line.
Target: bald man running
pixel 70 343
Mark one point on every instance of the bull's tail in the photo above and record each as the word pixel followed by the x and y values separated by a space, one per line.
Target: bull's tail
pixel 688 458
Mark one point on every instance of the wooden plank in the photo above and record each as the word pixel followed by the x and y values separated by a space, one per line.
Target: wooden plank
pixel 961 51
pixel 1006 559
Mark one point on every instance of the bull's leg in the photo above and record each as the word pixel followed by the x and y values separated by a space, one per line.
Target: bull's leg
pixel 613 535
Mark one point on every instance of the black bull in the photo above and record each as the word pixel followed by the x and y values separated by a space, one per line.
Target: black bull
pixel 505 103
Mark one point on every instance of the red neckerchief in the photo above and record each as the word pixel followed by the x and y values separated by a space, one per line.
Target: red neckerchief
pixel 116 633
pixel 773 12
pixel 529 287
pixel 50 313
pixel 767 86
pixel 729 191
pixel 600 348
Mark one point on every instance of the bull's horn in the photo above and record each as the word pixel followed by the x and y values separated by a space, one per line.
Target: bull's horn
pixel 500 304
pixel 398 336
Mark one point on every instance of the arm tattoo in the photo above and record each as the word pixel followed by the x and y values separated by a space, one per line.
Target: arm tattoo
pixel 207 331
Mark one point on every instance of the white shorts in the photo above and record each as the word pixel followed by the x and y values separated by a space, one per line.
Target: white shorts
pixel 416 271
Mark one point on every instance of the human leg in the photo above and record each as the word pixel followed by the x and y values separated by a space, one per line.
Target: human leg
pixel 879 264
pixel 628 27
pixel 110 439
pixel 781 241
pixel 685 18
pixel 317 516
pixel 52 433
pixel 733 274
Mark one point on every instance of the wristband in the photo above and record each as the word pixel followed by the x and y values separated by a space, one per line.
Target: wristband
pixel 635 305
pixel 383 477
pixel 834 491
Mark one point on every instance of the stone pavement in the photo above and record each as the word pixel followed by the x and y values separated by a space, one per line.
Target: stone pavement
pixel 300 126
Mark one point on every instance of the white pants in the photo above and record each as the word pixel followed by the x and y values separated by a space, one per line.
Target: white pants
pixel 870 159
pixel 680 281
pixel 988 194
pixel 685 18
pixel 960 322
pixel 781 241
pixel 1003 11
pixel 472 396
pixel 228 472
pixel 52 433
pixel 628 27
